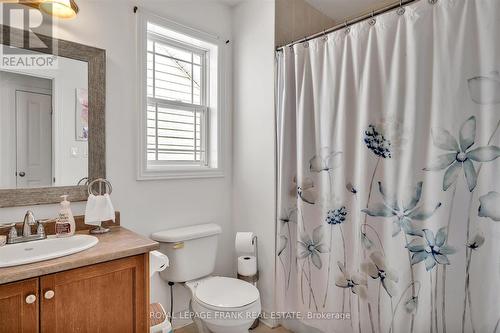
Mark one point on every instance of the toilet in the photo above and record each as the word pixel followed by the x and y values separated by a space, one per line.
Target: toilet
pixel 220 304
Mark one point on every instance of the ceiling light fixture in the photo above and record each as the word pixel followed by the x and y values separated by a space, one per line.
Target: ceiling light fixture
pixel 65 9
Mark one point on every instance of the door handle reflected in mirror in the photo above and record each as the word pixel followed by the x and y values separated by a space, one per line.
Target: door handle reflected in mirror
pixel 22 174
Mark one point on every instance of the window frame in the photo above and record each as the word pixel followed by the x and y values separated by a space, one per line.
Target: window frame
pixel 214 103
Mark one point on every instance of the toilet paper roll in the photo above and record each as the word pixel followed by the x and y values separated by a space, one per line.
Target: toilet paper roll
pixel 244 242
pixel 247 265
pixel 157 262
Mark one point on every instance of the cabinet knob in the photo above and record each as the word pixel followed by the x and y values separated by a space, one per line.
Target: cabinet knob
pixel 49 294
pixel 30 299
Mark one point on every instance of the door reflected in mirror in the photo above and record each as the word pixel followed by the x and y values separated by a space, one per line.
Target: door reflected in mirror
pixel 44 126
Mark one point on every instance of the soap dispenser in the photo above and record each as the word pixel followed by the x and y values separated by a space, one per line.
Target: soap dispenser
pixel 65 224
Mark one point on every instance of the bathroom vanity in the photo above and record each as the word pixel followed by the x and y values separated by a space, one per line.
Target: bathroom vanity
pixel 102 289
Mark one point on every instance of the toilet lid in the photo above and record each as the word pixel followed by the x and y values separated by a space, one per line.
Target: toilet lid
pixel 226 292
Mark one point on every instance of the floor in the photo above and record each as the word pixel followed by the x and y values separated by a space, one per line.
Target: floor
pixel 261 329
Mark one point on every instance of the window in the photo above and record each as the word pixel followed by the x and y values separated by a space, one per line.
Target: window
pixel 181 113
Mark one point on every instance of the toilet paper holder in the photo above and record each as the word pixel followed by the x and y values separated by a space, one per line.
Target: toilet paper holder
pixel 253 278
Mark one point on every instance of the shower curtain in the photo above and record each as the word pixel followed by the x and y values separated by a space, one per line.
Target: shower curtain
pixel 388 174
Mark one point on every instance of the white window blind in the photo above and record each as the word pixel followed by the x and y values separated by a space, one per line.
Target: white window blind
pixel 177 111
pixel 175 134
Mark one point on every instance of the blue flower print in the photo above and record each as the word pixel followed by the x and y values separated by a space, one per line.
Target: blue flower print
pixel 432 250
pixel 336 216
pixel 405 212
pixel 459 156
pixel 377 143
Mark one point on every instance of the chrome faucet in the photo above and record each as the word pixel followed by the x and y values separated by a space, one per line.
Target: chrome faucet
pixel 29 220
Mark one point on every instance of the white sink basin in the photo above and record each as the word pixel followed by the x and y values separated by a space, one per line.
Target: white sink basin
pixel 50 248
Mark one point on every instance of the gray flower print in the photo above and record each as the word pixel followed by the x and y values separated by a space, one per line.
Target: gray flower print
pixel 476 241
pixel 351 188
pixel 404 211
pixel 356 282
pixel 366 241
pixel 459 155
pixel 282 244
pixel 490 206
pixel 312 247
pixel 485 90
pixel 325 161
pixel 433 250
pixel 289 216
pixel 305 190
pixel 411 305
pixel 378 269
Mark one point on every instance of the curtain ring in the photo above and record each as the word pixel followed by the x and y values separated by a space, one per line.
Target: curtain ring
pixel 347 28
pixel 401 10
pixel 373 20
pixel 305 43
pixel 325 37
pixel 433 2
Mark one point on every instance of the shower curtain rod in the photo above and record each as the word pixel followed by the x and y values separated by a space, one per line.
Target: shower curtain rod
pixel 346 24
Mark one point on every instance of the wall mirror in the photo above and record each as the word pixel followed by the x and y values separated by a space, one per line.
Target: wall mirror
pixel 52 120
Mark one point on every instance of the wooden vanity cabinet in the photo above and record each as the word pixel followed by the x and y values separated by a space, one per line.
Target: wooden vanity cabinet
pixel 19 307
pixel 108 297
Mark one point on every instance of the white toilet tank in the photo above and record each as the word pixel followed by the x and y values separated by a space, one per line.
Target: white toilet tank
pixel 191 250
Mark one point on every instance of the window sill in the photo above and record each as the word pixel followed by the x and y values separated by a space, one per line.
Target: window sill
pixel 180 174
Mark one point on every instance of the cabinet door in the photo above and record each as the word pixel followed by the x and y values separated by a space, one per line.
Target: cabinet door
pixel 19 307
pixel 108 297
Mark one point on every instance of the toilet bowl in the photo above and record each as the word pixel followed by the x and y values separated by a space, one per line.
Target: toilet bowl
pixel 224 305
pixel 219 304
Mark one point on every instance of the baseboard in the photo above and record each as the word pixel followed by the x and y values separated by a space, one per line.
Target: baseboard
pixel 267 320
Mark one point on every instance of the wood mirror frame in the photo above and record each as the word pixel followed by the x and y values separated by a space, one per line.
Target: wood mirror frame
pixel 96 59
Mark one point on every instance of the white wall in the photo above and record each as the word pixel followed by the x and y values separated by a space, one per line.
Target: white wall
pixel 296 19
pixel 253 128
pixel 149 206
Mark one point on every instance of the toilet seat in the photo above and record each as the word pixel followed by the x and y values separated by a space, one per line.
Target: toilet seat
pixel 226 293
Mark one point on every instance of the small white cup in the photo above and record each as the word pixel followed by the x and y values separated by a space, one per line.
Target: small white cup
pixel 3 240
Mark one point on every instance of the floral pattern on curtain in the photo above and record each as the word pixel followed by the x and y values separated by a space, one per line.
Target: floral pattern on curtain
pixel 388 173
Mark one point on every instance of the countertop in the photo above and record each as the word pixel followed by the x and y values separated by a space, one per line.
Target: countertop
pixel 118 243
